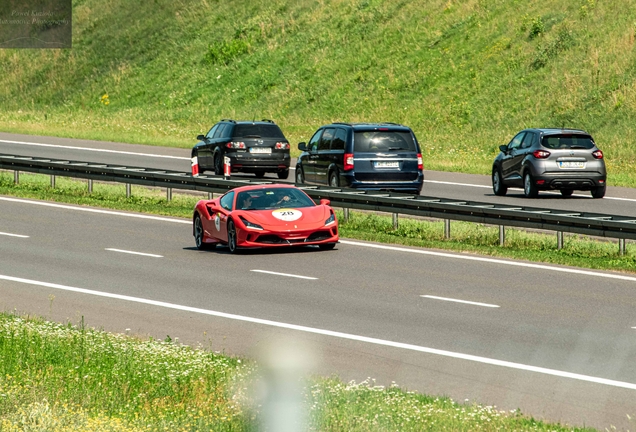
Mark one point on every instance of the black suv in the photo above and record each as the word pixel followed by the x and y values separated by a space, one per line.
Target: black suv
pixel 370 156
pixel 255 147
pixel 542 159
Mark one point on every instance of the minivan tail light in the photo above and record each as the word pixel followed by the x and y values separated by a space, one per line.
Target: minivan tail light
pixel 348 161
pixel 597 154
pixel 282 146
pixel 420 162
pixel 235 144
pixel 541 154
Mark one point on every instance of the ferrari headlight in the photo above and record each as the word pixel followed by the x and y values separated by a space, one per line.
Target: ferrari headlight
pixel 330 220
pixel 250 224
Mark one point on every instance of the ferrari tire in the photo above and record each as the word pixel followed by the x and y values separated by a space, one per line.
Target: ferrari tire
pixel 198 235
pixel 231 237
pixel 300 176
pixel 284 174
pixel 567 192
pixel 327 246
pixel 259 174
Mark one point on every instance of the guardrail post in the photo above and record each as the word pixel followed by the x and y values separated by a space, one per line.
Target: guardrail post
pixel 345 214
pixel 16 177
pixel 502 235
pixel 447 229
pixel 559 240
pixel 621 247
pixel 53 181
pixel 90 186
pixel 169 194
pixel 395 221
pixel 210 195
pixel 128 193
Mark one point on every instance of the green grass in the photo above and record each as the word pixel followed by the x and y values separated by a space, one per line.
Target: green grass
pixel 60 377
pixel 464 75
pixel 578 250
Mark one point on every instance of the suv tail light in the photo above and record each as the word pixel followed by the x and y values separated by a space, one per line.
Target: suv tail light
pixel 235 145
pixel 541 154
pixel 282 146
pixel 420 163
pixel 597 154
pixel 348 161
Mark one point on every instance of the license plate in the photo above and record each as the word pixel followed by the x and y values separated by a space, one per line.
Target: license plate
pixel 386 164
pixel 260 150
pixel 572 165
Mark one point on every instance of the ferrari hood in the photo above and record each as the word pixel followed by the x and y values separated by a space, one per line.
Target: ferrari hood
pixel 293 217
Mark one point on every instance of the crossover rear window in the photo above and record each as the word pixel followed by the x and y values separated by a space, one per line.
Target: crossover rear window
pixel 383 141
pixel 567 142
pixel 258 130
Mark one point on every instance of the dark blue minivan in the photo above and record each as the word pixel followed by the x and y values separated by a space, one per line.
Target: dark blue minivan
pixel 369 156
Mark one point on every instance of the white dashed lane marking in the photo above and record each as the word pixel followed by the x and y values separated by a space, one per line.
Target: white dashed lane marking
pixel 460 301
pixel 134 253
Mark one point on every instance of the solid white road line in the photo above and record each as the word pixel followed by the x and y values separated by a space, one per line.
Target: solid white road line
pixel 460 301
pixel 14 235
pixel 94 149
pixel 134 253
pixel 284 274
pixel 548 192
pixel 370 340
pixel 494 261
pixel 94 210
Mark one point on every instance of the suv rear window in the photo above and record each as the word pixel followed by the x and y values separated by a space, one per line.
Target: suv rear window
pixel 258 131
pixel 567 142
pixel 386 141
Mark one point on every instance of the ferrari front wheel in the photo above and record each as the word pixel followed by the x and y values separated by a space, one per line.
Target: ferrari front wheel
pixel 231 236
pixel 327 246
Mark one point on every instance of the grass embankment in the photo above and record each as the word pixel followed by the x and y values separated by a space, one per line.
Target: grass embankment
pixel 56 377
pixel 464 75
pixel 578 251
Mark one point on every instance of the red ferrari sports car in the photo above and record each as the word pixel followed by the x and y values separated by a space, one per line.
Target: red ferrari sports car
pixel 264 216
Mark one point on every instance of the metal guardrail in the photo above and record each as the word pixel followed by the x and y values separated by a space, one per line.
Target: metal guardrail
pixel 504 215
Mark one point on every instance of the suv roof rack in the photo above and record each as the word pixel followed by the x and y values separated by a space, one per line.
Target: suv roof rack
pixel 268 120
pixel 228 120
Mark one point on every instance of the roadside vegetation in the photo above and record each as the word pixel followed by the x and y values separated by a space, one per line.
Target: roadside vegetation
pixel 578 250
pixel 64 377
pixel 465 75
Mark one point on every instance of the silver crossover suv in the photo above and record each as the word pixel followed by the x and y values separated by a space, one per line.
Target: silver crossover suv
pixel 543 159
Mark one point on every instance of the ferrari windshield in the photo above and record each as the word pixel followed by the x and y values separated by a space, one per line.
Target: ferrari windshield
pixel 274 198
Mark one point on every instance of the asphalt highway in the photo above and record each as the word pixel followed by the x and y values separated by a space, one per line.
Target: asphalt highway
pixel 618 201
pixel 556 342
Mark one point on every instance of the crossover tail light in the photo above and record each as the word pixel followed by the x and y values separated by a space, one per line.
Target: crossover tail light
pixel 235 145
pixel 420 162
pixel 282 146
pixel 597 154
pixel 348 161
pixel 541 154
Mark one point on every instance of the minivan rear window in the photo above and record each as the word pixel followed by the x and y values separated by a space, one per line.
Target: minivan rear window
pixel 567 142
pixel 258 130
pixel 385 141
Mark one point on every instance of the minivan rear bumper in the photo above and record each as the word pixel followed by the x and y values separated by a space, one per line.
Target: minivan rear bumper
pixel 414 186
